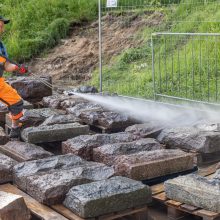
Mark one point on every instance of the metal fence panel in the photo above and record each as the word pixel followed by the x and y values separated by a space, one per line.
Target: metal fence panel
pixel 128 28
pixel 186 66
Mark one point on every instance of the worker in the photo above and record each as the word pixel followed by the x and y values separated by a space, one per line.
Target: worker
pixel 8 95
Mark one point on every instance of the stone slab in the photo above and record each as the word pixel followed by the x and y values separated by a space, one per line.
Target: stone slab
pixel 27 151
pixel 83 145
pixel 107 196
pixel 195 190
pixel 32 89
pixel 50 133
pixel 13 207
pixel 202 138
pixel 62 101
pixel 83 107
pixel 22 170
pixel 3 137
pixel 107 153
pixel 51 188
pixel 108 120
pixel 6 167
pixel 151 164
pixel 150 129
pixel 61 119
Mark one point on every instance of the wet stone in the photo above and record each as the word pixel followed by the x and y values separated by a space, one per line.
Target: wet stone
pixel 111 121
pixel 83 107
pixel 107 153
pixel 31 89
pixel 53 101
pixel 107 196
pixel 43 166
pixel 62 101
pixel 51 188
pixel 51 133
pixel 83 89
pixel 61 119
pixel 195 190
pixel 6 166
pixel 150 164
pixel 26 151
pixel 150 129
pixel 83 145
pixel 13 207
pixel 201 138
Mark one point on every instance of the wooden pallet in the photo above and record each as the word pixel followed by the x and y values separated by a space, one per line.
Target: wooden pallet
pixel 139 213
pixel 39 210
pixel 177 210
pixel 59 212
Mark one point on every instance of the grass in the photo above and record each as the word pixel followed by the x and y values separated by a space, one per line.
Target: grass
pixel 39 25
pixel 185 73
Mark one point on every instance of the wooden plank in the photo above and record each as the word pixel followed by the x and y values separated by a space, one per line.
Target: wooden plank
pixel 160 197
pixel 206 171
pixel 124 213
pixel 67 213
pixel 173 203
pixel 14 155
pixel 71 216
pixel 41 211
pixel 205 213
pixel 158 188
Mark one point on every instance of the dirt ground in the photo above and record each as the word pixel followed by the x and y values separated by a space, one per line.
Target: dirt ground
pixel 76 57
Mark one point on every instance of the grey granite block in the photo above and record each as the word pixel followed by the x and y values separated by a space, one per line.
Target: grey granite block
pixel 107 196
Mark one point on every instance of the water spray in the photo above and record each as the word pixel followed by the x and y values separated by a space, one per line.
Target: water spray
pixel 148 110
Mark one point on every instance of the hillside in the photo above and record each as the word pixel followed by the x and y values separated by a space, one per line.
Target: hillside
pixel 126 44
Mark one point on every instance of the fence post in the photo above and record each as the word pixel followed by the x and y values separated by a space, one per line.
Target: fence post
pixel 100 45
pixel 153 71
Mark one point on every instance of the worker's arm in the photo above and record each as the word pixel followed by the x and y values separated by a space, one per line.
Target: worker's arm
pixel 9 67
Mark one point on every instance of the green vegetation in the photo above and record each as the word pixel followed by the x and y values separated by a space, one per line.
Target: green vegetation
pixel 185 66
pixel 37 25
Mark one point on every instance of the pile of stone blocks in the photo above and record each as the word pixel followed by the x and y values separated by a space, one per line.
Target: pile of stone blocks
pixel 195 190
pixel 107 120
pixel 13 207
pixel 107 153
pixel 108 196
pixel 151 164
pixel 80 108
pixel 49 180
pixel 150 129
pixel 205 139
pixel 6 167
pixel 31 88
pixel 52 133
pixel 62 101
pixel 21 151
pixel 83 145
pixel 201 138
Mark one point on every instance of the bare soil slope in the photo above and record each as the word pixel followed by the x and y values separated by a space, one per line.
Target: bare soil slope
pixel 74 59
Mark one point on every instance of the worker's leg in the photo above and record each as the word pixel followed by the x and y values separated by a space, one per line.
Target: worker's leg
pixel 10 97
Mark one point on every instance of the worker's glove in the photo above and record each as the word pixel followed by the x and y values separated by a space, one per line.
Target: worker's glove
pixel 22 69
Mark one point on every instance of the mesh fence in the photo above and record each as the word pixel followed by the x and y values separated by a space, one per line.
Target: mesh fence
pixel 186 66
pixel 126 41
